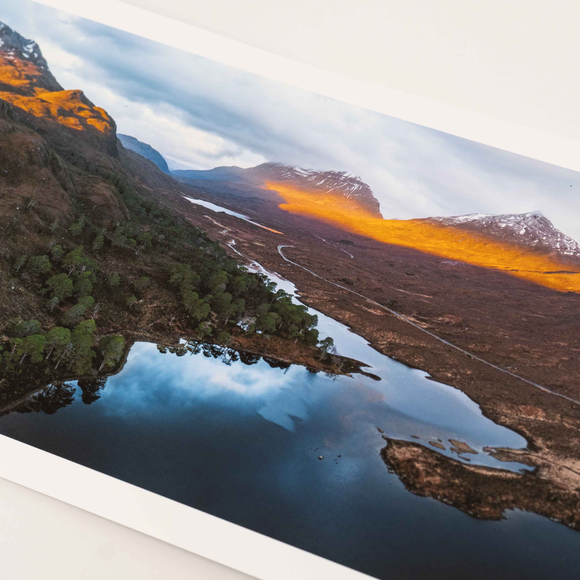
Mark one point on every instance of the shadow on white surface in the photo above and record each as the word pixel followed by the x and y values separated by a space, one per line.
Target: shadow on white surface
pixel 42 537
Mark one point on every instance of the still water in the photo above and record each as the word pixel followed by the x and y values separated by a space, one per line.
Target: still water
pixel 218 209
pixel 241 439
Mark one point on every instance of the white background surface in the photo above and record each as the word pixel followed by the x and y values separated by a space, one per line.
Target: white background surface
pixel 41 537
pixel 513 60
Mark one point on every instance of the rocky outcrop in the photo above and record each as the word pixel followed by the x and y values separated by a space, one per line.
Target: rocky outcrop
pixel 27 84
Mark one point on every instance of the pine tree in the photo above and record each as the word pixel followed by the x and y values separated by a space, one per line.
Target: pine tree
pixel 131 301
pixel 83 285
pixel 223 337
pixel 33 346
pixel 98 242
pixel 112 348
pixel 327 345
pixel 61 286
pixel 39 265
pixel 20 262
pixel 82 339
pixel 56 253
pixel 57 338
pixel 113 280
pixel 25 328
pixel 76 229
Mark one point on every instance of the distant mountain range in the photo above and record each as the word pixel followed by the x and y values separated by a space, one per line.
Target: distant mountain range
pixel 253 178
pixel 531 230
pixel 27 83
pixel 250 181
pixel 145 150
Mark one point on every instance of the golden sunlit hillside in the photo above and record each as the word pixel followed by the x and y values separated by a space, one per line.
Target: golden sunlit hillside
pixel 21 76
pixel 27 83
pixel 448 242
pixel 69 108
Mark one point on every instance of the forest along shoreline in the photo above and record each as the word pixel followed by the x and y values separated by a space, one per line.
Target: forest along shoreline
pixel 18 389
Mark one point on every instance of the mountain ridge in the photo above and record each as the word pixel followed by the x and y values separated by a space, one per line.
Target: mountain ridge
pixel 145 150
pixel 27 84
pixel 97 242
pixel 530 229
pixel 66 185
pixel 25 70
pixel 314 181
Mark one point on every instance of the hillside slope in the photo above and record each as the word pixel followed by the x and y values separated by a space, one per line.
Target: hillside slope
pixel 531 230
pixel 253 181
pixel 144 150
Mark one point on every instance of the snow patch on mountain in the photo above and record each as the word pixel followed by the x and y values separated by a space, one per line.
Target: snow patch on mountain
pixel 254 178
pixel 530 229
pixel 13 45
pixel 342 183
pixel 14 48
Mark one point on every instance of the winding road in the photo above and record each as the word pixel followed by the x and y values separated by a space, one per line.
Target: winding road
pixel 431 334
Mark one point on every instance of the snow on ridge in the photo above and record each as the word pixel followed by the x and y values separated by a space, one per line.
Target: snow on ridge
pixel 341 182
pixel 466 218
pixel 529 229
pixel 15 45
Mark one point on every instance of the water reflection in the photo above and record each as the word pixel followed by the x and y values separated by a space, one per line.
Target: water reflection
pixel 404 404
pixel 243 441
pixel 49 400
pixel 419 408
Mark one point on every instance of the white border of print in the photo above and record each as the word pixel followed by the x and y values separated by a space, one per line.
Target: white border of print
pixel 152 514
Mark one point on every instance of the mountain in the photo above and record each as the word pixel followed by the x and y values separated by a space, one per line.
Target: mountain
pixel 222 173
pixel 145 150
pixel 251 181
pixel 24 70
pixel 92 231
pixel 531 230
pixel 27 83
pixel 338 182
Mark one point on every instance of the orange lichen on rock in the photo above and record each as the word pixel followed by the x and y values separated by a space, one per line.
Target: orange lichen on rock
pixel 448 242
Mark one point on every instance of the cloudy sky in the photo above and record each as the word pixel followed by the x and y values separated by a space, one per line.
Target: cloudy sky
pixel 201 114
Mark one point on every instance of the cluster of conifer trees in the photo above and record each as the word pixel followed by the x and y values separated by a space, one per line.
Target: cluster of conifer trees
pixel 76 283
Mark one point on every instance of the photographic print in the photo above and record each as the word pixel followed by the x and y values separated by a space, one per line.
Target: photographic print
pixel 341 330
